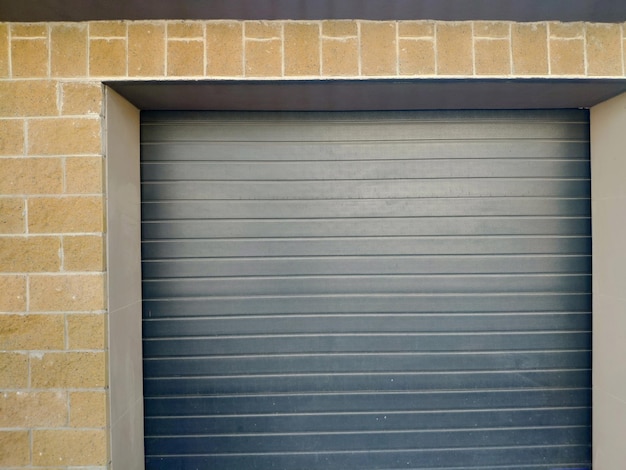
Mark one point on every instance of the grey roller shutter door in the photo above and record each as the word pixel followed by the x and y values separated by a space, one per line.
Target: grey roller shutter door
pixel 367 290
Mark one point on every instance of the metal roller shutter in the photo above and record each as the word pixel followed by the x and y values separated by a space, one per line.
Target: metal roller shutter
pixel 363 291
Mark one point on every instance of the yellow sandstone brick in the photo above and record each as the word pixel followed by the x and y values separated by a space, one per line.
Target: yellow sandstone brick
pixel 11 215
pixel 264 58
pixel 86 331
pixel 67 293
pixel 21 98
pixel 12 137
pixel 339 28
pixel 302 49
pixel 33 409
pixel 68 370
pixel 107 57
pixel 80 98
pixel 14 449
pixel 185 58
pixel 146 49
pixel 416 29
pixel 263 29
pixel 13 370
pixel 4 50
pixel 29 57
pixel 566 30
pixel 83 253
pixel 31 176
pixel 68 51
pixel 32 332
pixel 567 57
pixel 84 175
pixel 13 297
pixel 454 49
pixel 88 409
pixel 28 30
pixel 378 48
pixel 417 57
pixel 185 29
pixel 340 57
pixel 69 214
pixel 29 254
pixel 64 136
pixel 604 50
pixel 107 29
pixel 529 46
pixel 492 56
pixel 70 447
pixel 224 54
pixel 491 29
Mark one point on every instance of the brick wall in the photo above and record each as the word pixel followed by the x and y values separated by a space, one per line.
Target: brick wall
pixel 52 217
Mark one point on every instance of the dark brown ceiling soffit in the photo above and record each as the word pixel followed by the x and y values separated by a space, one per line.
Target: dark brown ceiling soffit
pixel 608 11
pixel 369 95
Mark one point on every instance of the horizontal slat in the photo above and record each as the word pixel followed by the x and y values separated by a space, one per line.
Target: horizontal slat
pixel 312 190
pixel 346 151
pixel 346 265
pixel 373 247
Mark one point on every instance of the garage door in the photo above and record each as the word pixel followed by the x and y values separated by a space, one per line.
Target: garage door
pixel 367 290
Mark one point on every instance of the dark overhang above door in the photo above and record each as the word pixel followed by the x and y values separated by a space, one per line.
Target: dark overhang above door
pixel 609 11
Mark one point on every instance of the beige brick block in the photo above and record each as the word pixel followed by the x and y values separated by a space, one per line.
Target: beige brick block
pixel 11 215
pixel 64 136
pixel 4 50
pixel 185 29
pixel 33 409
pixel 68 51
pixel 68 370
pixel 67 293
pixel 417 57
pixel 29 30
pixel 339 28
pixel 21 98
pixel 70 447
pixel 492 29
pixel 80 98
pixel 83 253
pixel 262 29
pixel 454 49
pixel 107 57
pixel 31 176
pixel 264 58
pixel 302 49
pixel 567 57
pixel 146 49
pixel 566 30
pixel 604 50
pixel 416 29
pixel 29 57
pixel 492 56
pixel 13 297
pixel 107 29
pixel 86 331
pixel 224 49
pixel 12 137
pixel 84 175
pixel 68 214
pixel 13 370
pixel 88 409
pixel 378 48
pixel 14 449
pixel 29 254
pixel 340 57
pixel 529 45
pixel 32 332
pixel 185 58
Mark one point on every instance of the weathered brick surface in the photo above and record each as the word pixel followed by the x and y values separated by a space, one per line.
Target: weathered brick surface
pixel 30 254
pixel 88 409
pixel 13 288
pixel 72 447
pixel 68 370
pixel 67 293
pixel 32 332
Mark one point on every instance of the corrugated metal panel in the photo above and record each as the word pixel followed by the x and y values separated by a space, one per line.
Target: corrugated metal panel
pixel 367 290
